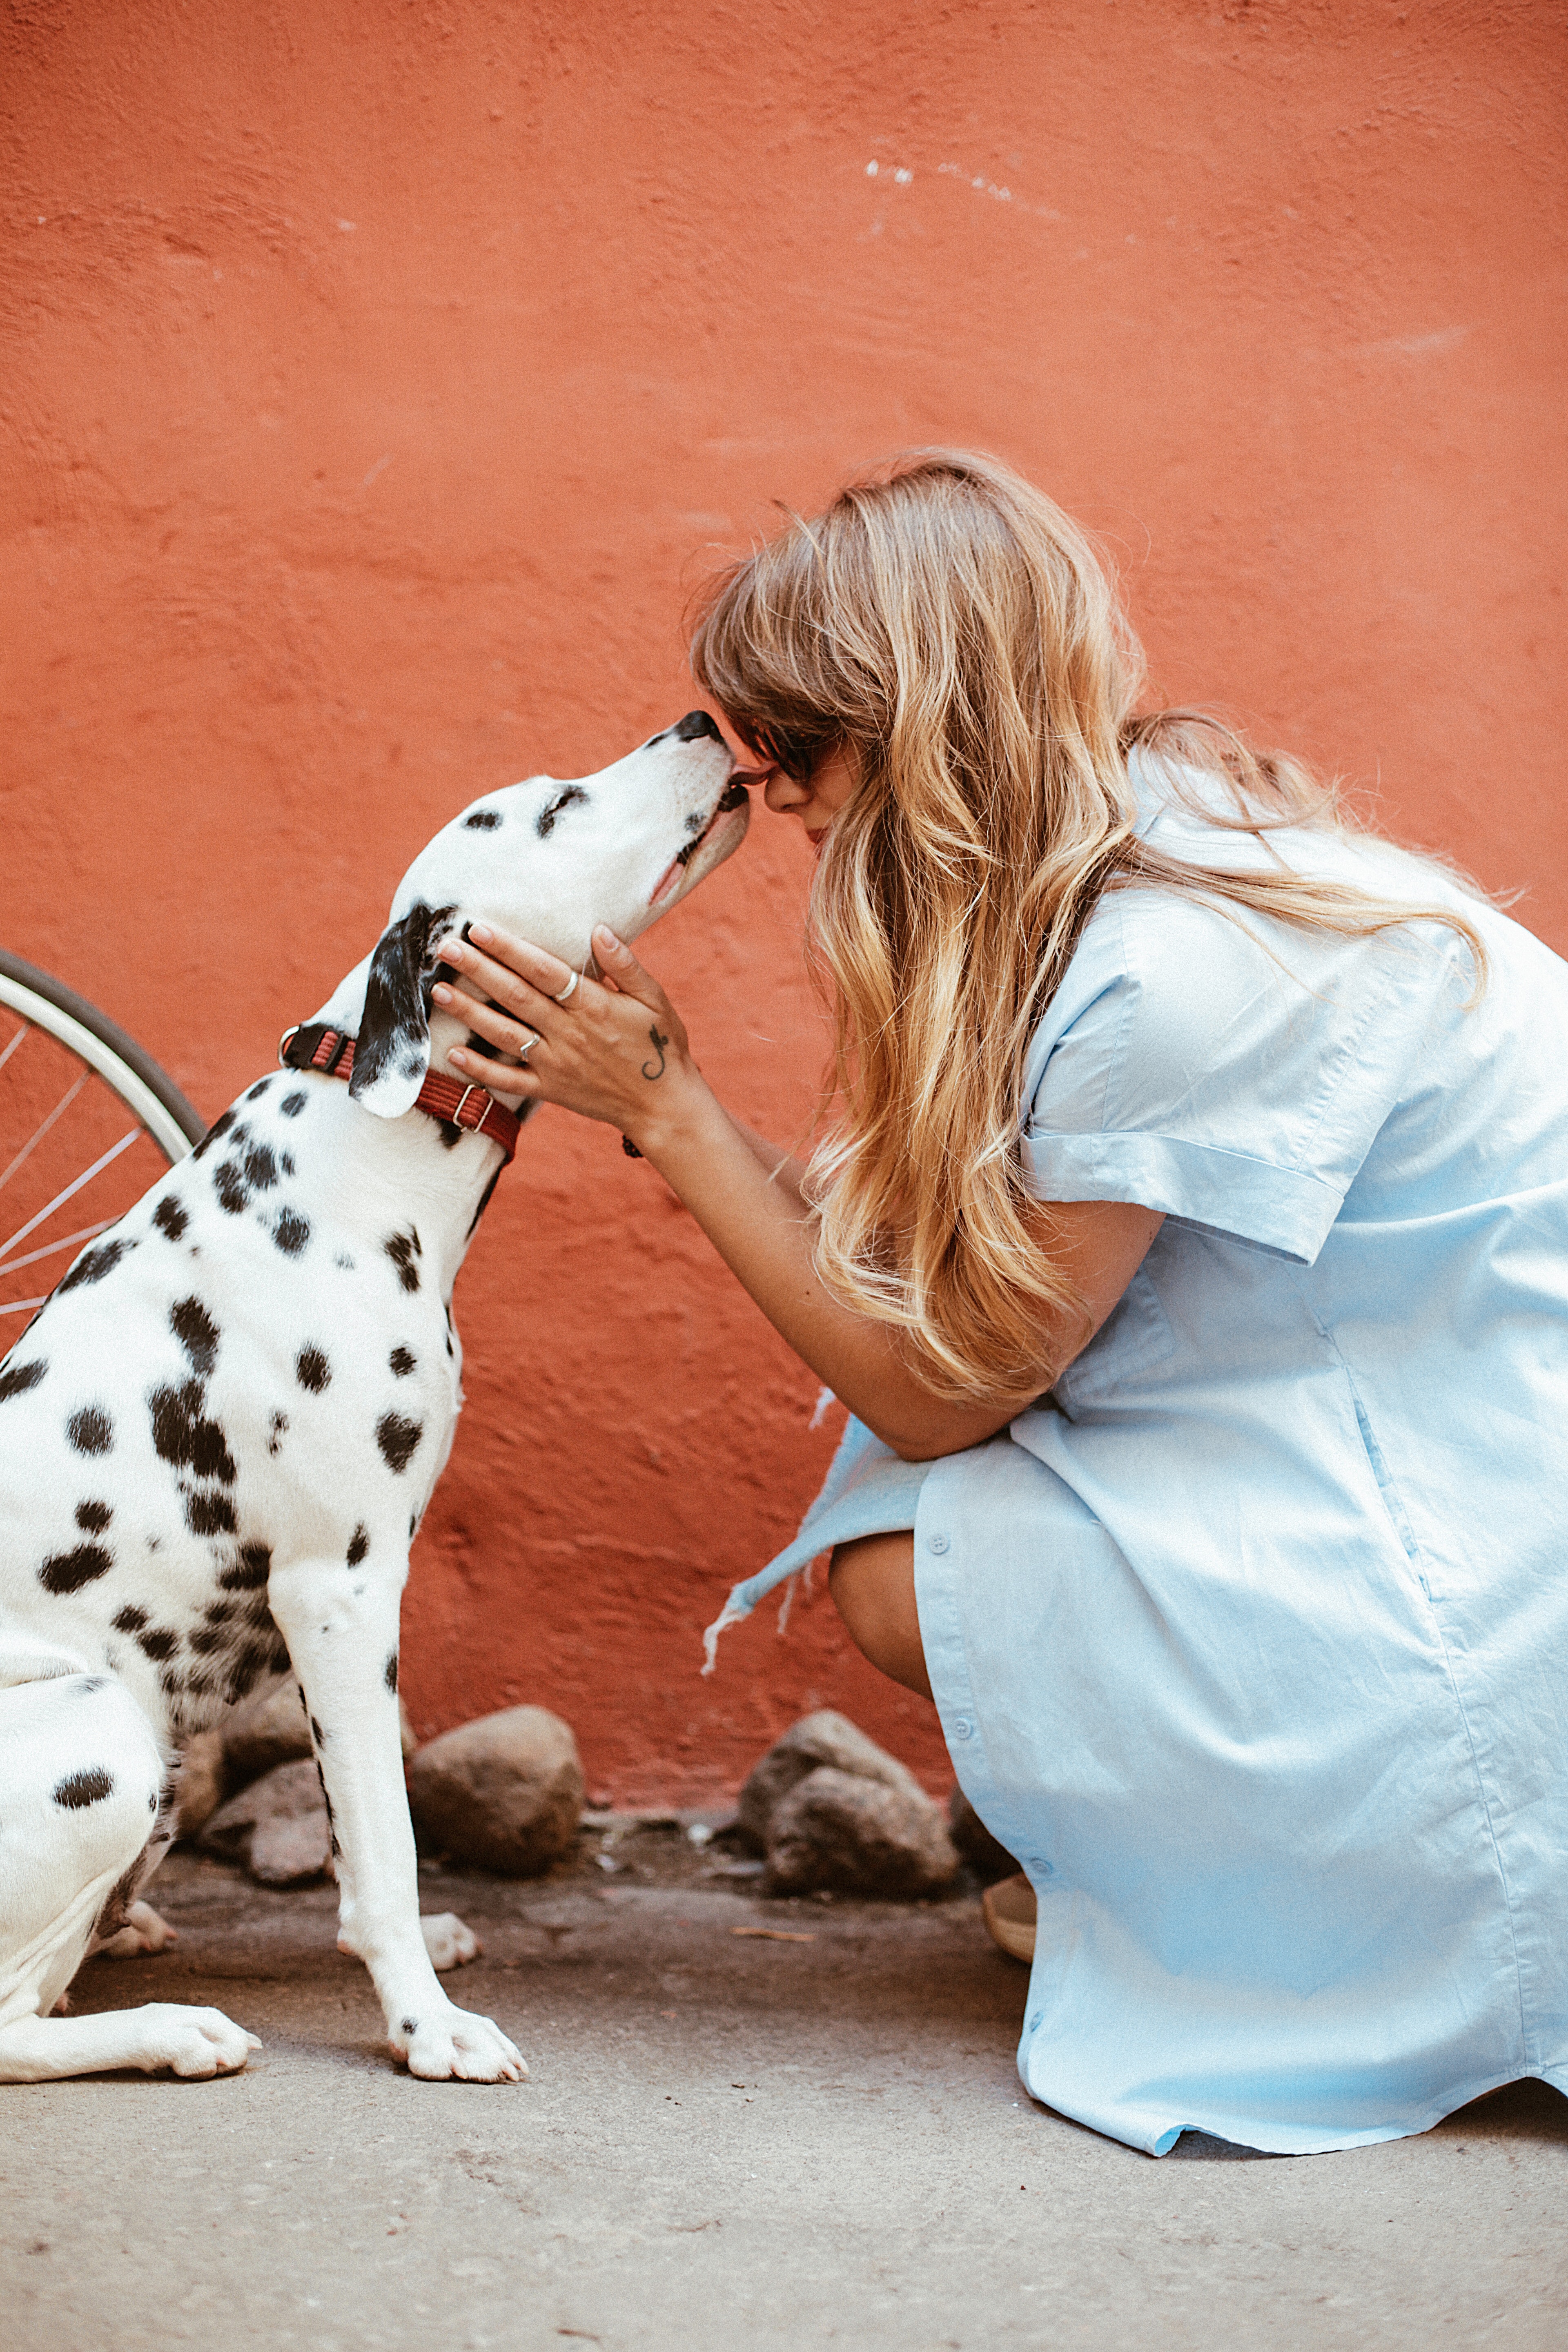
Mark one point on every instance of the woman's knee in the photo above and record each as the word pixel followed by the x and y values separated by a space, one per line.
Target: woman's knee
pixel 872 1581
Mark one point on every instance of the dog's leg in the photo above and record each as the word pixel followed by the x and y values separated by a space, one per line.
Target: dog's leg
pixel 80 1780
pixel 342 1632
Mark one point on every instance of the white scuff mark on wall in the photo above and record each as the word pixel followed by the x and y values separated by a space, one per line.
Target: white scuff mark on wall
pixel 998 194
pixel 380 466
pixel 1416 347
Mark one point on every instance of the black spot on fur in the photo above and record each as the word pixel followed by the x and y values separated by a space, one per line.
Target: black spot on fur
pixel 183 1435
pixel 233 1192
pixel 18 1379
pixel 410 2025
pixel 343 1259
pixel 91 1683
pixel 208 1638
pixel 483 821
pixel 291 1232
pixel 169 1218
pixel 260 1168
pixel 285 1162
pixel 160 1642
pixel 279 1424
pixel 317 1734
pixel 413 1525
pixel 93 1264
pixel 131 1620
pixel 292 1105
pixel 262 1086
pixel 219 1612
pixel 402 1249
pixel 397 1439
pixel 219 1127
pixel 359 1545
pixel 196 1332
pixel 90 1431
pixel 249 1571
pixel 68 1571
pixel 390 1671
pixel 451 1133
pixel 313 1370
pixel 321 1783
pixel 544 824
pixel 93 1518
pixel 402 1362
pixel 210 1515
pixel 89 1788
pixel 484 1201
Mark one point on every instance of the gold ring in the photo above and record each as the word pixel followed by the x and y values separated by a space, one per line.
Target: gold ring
pixel 569 992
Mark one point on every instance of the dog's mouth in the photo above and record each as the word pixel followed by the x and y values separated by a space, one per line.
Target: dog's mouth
pixel 722 833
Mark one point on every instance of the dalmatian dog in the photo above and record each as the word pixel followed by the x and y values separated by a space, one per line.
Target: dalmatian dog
pixel 219 1436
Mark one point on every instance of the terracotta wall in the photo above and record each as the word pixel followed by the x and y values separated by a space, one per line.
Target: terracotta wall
pixel 380 378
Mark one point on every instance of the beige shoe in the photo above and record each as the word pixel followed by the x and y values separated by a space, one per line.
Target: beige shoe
pixel 1008 1909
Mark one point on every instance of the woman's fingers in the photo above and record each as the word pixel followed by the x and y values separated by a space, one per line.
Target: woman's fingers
pixel 504 983
pixel 498 1027
pixel 617 963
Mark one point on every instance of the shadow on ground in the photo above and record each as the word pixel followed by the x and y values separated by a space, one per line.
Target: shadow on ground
pixel 750 2125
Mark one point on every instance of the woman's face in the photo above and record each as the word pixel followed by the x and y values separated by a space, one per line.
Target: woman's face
pixel 815 802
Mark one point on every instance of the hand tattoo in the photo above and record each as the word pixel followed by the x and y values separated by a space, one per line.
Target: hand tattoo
pixel 660 1043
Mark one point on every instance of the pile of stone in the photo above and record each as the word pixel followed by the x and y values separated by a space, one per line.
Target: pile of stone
pixel 504 1792
pixel 833 1812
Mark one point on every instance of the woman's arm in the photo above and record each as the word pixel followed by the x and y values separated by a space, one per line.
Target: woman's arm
pixel 619 1053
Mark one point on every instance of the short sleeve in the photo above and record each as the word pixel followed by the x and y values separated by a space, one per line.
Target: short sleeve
pixel 1223 1067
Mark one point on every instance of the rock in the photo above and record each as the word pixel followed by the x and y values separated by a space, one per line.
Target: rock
pixel 269 1729
pixel 504 1791
pixel 824 1739
pixel 278 1827
pixel 857 1836
pixel 833 1810
pixel 200 1783
pixel 986 1856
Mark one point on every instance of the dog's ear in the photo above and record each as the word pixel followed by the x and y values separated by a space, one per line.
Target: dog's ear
pixel 392 1051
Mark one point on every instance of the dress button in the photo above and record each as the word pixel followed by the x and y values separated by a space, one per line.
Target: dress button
pixel 964 1728
pixel 936 1543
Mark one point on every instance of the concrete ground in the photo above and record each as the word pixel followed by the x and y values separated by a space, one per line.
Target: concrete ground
pixel 750 2125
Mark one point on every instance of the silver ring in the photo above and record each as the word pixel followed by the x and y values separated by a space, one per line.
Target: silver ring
pixel 569 992
pixel 524 1051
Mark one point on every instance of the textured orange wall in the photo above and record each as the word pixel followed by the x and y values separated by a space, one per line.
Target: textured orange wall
pixel 380 377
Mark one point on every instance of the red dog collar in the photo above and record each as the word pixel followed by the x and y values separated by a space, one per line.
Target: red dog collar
pixel 332 1051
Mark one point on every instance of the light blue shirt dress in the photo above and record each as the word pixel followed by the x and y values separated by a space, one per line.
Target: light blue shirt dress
pixel 1252 1639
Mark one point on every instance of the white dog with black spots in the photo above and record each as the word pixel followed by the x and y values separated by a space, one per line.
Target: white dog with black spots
pixel 219 1436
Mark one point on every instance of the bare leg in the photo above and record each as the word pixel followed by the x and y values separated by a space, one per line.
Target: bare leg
pixel 872 1582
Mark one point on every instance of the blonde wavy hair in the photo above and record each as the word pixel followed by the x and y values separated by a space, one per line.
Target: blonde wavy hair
pixel 954 632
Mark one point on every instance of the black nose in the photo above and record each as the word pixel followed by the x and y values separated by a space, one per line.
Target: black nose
pixel 694 727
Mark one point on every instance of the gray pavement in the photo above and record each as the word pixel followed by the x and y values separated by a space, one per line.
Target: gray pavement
pixel 811 2137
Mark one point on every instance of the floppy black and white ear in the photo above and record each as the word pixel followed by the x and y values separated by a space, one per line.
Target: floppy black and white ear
pixel 392 1051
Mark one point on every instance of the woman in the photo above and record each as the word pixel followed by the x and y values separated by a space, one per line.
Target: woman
pixel 1190 1253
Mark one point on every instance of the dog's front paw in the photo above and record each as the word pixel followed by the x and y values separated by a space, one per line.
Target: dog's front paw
pixel 143 1931
pixel 195 2042
pixel 449 2042
pixel 449 1942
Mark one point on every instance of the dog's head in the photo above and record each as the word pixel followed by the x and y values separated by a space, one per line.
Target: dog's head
pixel 546 861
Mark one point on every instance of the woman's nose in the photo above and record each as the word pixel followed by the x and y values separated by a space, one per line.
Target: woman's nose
pixel 782 793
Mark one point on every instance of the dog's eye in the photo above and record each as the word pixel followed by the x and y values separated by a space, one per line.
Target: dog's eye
pixel 553 808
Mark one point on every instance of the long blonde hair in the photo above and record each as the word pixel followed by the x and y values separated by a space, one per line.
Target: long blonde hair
pixel 951 629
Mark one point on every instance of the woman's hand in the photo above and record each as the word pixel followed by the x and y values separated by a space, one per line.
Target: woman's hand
pixel 612 1049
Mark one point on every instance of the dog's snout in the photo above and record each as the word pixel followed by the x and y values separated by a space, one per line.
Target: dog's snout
pixel 695 727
